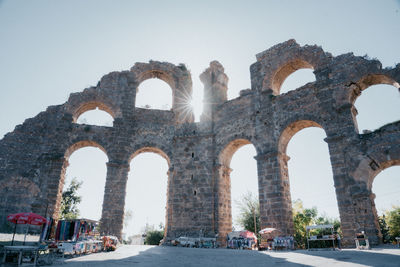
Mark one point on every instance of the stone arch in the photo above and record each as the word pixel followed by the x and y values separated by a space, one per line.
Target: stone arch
pixel 226 154
pixel 363 84
pixel 367 81
pixel 281 161
pixel 161 152
pixel 154 87
pixel 177 77
pixel 381 167
pixel 363 197
pixel 92 98
pixel 274 65
pixel 80 144
pixel 291 129
pixel 68 152
pixel 91 106
pixel 152 149
pixel 224 209
pixel 285 71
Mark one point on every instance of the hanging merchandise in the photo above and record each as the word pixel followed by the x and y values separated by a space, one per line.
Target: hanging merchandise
pixel 74 230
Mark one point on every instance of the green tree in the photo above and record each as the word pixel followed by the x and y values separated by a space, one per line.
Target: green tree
pixel 384 228
pixel 153 237
pixel 301 218
pixel 249 207
pixel 70 201
pixel 393 222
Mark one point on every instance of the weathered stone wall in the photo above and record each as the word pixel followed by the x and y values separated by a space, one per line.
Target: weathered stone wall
pixel 35 155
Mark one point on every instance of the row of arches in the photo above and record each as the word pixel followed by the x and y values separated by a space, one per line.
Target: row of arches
pixel 310 174
pixel 378 104
pixel 309 168
pixel 145 191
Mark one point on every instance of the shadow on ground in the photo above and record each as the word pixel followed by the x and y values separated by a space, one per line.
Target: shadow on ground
pixel 375 257
pixel 173 256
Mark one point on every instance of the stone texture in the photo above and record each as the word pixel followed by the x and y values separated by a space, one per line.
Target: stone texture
pixel 34 157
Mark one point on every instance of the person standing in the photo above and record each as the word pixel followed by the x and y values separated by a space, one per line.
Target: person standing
pixel 337 238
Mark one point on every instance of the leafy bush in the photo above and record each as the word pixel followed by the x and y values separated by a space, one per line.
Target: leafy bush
pixel 303 217
pixel 153 237
pixel 389 223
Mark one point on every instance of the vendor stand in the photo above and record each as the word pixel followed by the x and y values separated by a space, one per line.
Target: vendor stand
pixel 267 238
pixel 362 241
pixel 241 240
pixel 318 238
pixel 78 236
pixel 283 242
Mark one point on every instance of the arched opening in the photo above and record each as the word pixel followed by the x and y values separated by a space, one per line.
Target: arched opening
pixel 94 113
pixel 154 94
pixel 243 180
pixel 146 194
pixel 386 189
pixel 297 79
pixel 376 106
pixel 310 172
pixel 96 117
pixel 237 179
pixel 86 163
pixel 307 167
pixel 303 75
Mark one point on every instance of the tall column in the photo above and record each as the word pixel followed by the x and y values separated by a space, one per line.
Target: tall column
pixel 53 176
pixel 169 205
pixel 114 199
pixel 224 206
pixel 274 192
pixel 355 200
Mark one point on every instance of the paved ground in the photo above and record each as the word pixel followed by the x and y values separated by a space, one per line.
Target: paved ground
pixel 174 256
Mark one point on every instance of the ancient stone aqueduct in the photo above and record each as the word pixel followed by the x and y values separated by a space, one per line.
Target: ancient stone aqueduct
pixel 34 157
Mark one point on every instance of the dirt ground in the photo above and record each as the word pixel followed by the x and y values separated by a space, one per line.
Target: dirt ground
pixel 136 255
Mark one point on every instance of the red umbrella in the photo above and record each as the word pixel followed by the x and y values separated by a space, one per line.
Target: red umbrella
pixel 248 234
pixel 25 218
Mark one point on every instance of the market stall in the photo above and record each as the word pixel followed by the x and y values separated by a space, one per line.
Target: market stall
pixel 283 242
pixel 78 236
pixel 267 238
pixel 241 240
pixel 327 238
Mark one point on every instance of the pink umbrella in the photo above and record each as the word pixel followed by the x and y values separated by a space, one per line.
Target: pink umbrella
pixel 25 218
pixel 268 231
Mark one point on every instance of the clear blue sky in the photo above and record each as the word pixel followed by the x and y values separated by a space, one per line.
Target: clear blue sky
pixel 49 49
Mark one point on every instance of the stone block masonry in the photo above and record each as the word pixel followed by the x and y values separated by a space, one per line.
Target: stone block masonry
pixel 34 157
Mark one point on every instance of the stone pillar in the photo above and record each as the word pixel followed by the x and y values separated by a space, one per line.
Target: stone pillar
pixel 274 192
pixel 366 218
pixel 224 208
pixel 215 89
pixel 54 178
pixel 114 199
pixel 169 205
pixel 355 201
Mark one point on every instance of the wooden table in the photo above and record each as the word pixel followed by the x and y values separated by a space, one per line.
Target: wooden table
pixel 20 250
